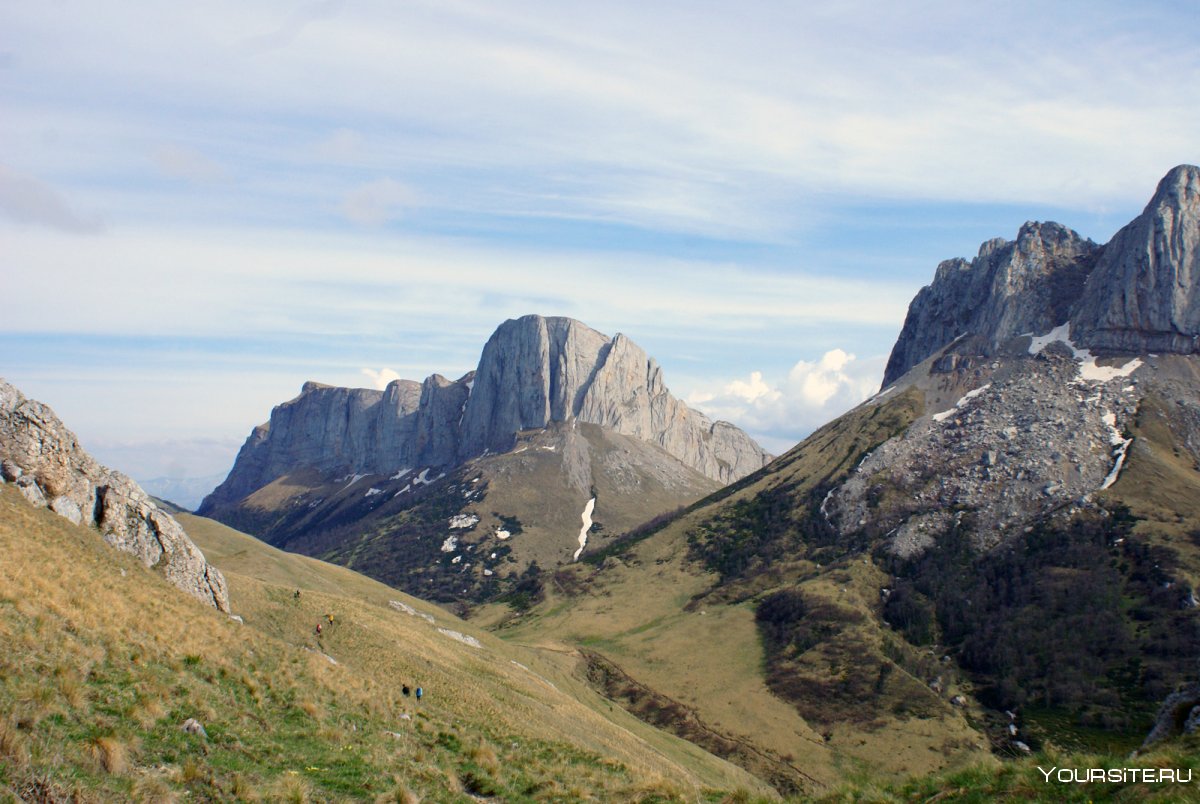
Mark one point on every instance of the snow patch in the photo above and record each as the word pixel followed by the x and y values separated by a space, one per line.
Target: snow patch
pixel 550 448
pixel 967 397
pixel 1060 333
pixel 463 521
pixel 1119 454
pixel 1088 370
pixel 456 560
pixel 825 503
pixel 399 475
pixel 371 492
pixel 503 535
pixel 463 638
pixel 353 479
pixel 401 491
pixel 450 545
pixel 587 524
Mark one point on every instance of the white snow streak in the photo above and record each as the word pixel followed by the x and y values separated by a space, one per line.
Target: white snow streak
pixel 969 395
pixel 587 524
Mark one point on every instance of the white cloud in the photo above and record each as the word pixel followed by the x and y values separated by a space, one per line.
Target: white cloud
pixel 377 202
pixel 343 145
pixel 784 411
pixel 182 162
pixel 25 199
pixel 382 377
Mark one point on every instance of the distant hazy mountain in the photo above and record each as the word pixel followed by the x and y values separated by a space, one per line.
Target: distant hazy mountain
pixel 186 492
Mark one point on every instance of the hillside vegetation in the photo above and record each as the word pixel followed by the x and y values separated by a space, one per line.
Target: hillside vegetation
pixel 105 663
pixel 817 658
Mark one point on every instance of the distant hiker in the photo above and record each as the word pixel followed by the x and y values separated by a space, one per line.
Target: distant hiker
pixel 405 690
pixel 318 629
pixel 420 692
pixel 330 618
pixel 297 595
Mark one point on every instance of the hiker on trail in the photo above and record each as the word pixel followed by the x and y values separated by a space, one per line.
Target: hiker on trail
pixel 318 629
pixel 297 595
pixel 330 618
pixel 405 690
pixel 420 692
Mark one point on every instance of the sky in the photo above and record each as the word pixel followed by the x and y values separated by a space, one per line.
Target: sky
pixel 203 205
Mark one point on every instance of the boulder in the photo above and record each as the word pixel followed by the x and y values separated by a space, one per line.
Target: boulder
pixel 50 469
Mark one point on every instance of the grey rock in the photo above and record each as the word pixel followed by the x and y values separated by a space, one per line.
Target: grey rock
pixel 1061 443
pixel 537 370
pixel 533 371
pixel 1174 716
pixel 52 470
pixel 1009 289
pixel 1138 293
pixel 193 726
pixel 1144 295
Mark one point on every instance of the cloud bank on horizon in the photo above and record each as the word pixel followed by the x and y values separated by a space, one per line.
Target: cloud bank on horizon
pixel 227 199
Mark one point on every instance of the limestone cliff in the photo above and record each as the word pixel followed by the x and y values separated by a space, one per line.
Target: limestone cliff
pixel 1144 295
pixel 43 459
pixel 533 371
pixel 1136 294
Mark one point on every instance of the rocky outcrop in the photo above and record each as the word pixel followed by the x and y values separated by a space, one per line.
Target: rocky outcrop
pixel 533 371
pixel 43 459
pixel 1044 434
pixel 1009 289
pixel 1144 295
pixel 537 370
pixel 1137 294
pixel 1179 714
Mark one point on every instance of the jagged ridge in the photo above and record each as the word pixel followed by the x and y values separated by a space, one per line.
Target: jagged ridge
pixel 1136 294
pixel 533 371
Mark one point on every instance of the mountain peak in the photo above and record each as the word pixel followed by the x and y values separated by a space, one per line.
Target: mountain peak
pixel 1138 293
pixel 534 371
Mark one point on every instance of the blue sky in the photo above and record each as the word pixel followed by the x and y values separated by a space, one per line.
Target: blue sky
pixel 204 205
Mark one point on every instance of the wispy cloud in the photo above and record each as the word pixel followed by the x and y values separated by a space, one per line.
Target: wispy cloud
pixel 28 200
pixel 292 26
pixel 377 202
pixel 189 164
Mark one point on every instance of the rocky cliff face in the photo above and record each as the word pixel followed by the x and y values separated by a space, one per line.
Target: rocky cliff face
pixel 1144 295
pixel 533 371
pixel 1136 294
pixel 43 459
pixel 538 370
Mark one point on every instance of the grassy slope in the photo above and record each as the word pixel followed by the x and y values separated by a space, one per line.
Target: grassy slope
pixel 105 661
pixel 543 484
pixel 704 650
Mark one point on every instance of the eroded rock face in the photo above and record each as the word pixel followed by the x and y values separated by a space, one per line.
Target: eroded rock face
pixel 1144 295
pixel 44 460
pixel 533 371
pixel 1136 294
pixel 537 370
pixel 1009 289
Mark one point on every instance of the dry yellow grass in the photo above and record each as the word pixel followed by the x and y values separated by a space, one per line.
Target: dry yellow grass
pixel 148 657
